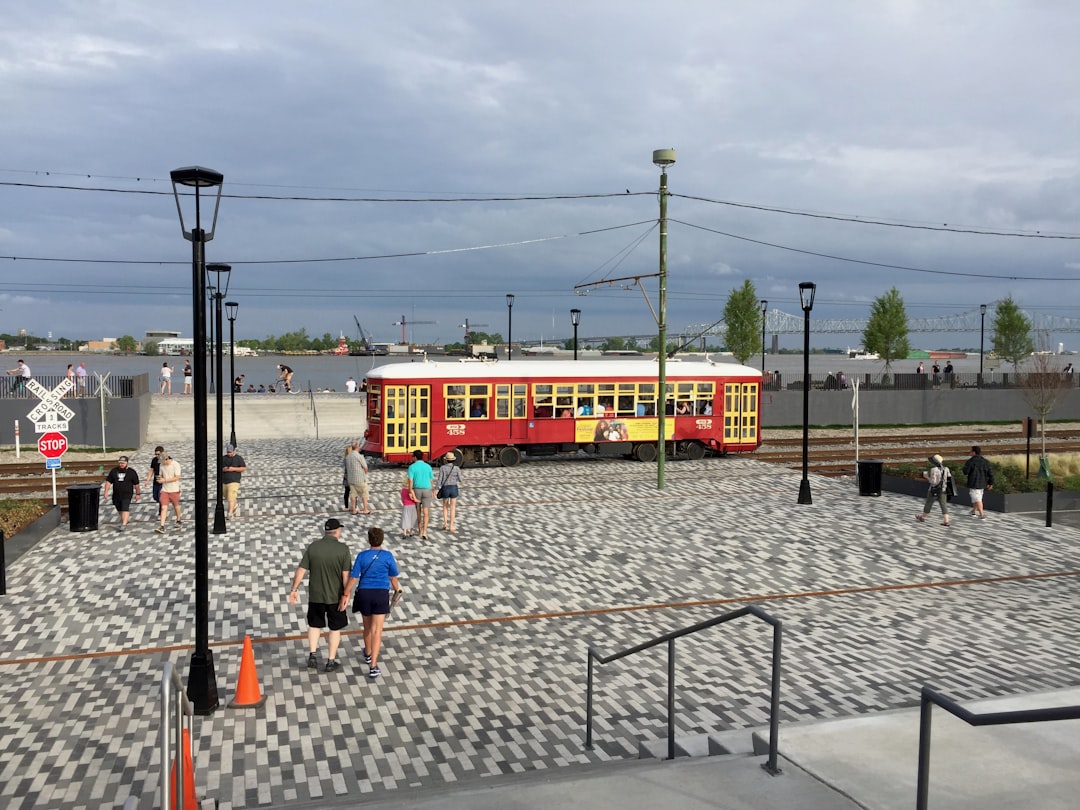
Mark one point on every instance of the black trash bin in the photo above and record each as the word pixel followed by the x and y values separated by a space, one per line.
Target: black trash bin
pixel 83 502
pixel 870 476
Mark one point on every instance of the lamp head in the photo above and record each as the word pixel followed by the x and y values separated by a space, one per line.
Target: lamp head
pixel 509 300
pixel 807 290
pixel 575 316
pixel 230 309
pixel 663 158
pixel 197 177
pixel 220 269
pixel 982 309
pixel 764 306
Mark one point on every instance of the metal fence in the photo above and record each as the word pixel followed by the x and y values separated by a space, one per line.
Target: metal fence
pixel 13 386
pixel 878 381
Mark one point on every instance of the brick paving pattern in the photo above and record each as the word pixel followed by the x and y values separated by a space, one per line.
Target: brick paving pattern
pixel 478 679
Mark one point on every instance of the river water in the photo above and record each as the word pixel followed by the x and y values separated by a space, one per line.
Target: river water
pixel 331 372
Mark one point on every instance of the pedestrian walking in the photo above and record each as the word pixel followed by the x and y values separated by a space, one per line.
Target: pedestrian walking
pixel 125 487
pixel 980 477
pixel 356 475
pixel 80 379
pixel 420 477
pixel 373 574
pixel 938 477
pixel 329 562
pixel 166 378
pixel 168 478
pixel 233 467
pixel 448 486
pixel 152 473
pixel 409 508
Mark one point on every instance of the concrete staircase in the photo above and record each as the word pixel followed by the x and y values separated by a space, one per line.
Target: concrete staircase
pixel 260 416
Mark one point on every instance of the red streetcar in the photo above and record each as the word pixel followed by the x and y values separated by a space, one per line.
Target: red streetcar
pixel 486 411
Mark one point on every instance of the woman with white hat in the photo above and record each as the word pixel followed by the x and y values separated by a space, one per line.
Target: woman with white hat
pixel 448 483
pixel 938 477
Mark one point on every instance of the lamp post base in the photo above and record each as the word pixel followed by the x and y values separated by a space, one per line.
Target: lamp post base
pixel 804 492
pixel 219 519
pixel 202 685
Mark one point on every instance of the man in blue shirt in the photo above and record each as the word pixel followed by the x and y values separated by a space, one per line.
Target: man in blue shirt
pixel 420 475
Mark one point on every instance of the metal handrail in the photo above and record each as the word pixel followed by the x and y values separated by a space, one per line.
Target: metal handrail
pixel 930 697
pixel 172 691
pixel 314 410
pixel 774 707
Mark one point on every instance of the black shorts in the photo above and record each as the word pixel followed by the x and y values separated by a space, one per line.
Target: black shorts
pixel 320 615
pixel 372 601
pixel 122 504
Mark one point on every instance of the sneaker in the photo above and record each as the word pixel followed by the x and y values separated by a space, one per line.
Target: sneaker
pixel 972 513
pixel 160 530
pixel 313 661
pixel 332 666
pixel 366 654
pixel 178 524
pixel 374 673
pixel 121 527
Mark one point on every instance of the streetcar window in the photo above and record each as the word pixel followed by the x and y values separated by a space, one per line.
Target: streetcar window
pixel 543 401
pixel 520 391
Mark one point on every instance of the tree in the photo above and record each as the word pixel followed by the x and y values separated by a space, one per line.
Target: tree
pixel 126 344
pixel 887 328
pixel 151 348
pixel 742 322
pixel 1041 388
pixel 1012 333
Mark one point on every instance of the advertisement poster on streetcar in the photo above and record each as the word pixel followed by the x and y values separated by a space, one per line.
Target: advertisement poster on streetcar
pixel 620 430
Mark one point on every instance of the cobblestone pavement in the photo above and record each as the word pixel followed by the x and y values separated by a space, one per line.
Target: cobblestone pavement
pixel 484 666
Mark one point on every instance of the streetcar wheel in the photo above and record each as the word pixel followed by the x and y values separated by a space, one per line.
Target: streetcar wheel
pixel 645 452
pixel 510 456
pixel 695 451
pixel 460 459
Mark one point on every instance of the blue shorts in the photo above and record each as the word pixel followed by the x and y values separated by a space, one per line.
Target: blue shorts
pixel 449 491
pixel 372 601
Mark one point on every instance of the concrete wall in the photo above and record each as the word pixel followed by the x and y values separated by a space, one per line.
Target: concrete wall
pixel 126 421
pixel 928 407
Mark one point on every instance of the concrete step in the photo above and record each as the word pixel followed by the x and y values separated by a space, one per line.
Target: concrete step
pixel 259 416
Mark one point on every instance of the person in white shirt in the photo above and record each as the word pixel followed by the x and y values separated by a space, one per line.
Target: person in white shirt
pixel 23 372
pixel 350 386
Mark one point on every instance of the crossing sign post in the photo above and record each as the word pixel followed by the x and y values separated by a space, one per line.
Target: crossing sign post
pixel 52 445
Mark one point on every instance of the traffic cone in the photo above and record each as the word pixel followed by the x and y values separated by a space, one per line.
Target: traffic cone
pixel 189 775
pixel 248 695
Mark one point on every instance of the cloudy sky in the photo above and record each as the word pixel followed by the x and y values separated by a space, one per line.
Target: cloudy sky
pixel 494 143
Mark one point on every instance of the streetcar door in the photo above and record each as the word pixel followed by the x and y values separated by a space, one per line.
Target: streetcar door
pixel 510 401
pixel 407 425
pixel 740 413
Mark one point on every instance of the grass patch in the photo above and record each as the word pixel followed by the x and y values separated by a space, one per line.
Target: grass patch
pixel 17 513
pixel 1009 472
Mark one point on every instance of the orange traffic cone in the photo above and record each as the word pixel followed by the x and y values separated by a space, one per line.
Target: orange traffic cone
pixel 248 695
pixel 189 776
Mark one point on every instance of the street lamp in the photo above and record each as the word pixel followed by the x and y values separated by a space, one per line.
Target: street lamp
pixel 764 309
pixel 219 509
pixel 575 319
pixel 230 310
pixel 807 289
pixel 509 324
pixel 210 290
pixel 982 336
pixel 662 158
pixel 202 685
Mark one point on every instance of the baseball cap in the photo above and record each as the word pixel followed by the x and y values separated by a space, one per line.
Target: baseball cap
pixel 122 458
pixel 332 524
pixel 229 448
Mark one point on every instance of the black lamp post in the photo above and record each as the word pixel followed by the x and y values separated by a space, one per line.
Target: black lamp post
pixel 807 289
pixel 509 324
pixel 982 336
pixel 210 290
pixel 575 319
pixel 219 508
pixel 202 684
pixel 230 311
pixel 764 309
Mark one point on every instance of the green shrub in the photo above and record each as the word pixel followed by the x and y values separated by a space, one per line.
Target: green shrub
pixel 16 514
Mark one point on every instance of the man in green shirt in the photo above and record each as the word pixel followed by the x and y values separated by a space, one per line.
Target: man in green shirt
pixel 329 562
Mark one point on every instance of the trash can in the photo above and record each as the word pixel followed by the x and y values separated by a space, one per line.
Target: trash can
pixel 83 502
pixel 870 476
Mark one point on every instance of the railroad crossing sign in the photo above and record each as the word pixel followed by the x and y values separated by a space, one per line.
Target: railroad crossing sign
pixel 50 414
pixel 52 445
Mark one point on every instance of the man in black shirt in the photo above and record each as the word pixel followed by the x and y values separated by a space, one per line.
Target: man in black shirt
pixel 125 485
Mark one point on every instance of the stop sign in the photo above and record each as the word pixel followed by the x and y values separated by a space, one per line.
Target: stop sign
pixel 52 445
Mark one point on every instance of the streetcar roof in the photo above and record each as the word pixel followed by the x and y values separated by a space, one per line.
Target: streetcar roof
pixel 551 369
